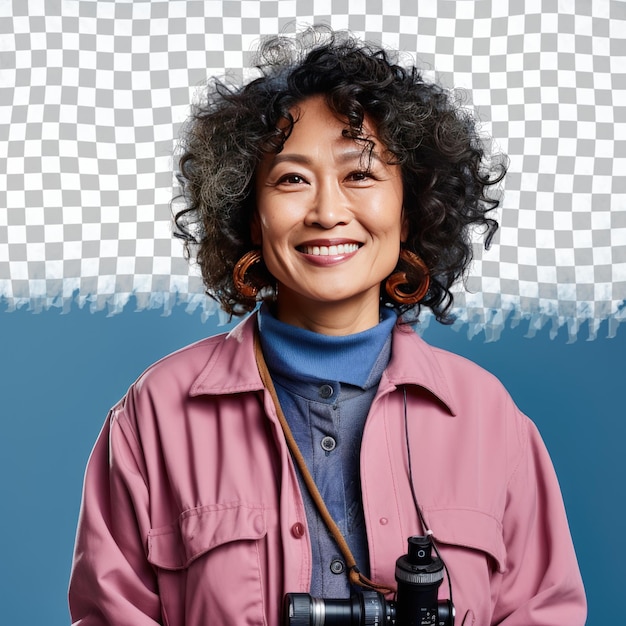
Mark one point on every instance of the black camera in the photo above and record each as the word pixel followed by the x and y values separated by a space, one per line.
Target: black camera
pixel 418 575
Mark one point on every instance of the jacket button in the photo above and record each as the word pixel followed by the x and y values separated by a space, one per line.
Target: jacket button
pixel 383 521
pixel 297 530
pixel 326 391
pixel 328 444
pixel 337 566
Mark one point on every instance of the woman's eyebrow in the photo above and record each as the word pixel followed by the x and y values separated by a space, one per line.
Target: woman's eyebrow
pixel 291 157
pixel 354 155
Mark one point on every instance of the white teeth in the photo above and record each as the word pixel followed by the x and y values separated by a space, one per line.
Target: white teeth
pixel 342 248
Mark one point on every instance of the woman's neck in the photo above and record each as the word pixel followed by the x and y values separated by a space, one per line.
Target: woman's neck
pixel 330 318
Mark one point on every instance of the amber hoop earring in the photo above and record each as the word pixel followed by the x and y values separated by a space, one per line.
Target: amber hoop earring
pixel 399 278
pixel 245 288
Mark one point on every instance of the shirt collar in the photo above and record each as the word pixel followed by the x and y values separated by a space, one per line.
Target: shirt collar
pixel 231 368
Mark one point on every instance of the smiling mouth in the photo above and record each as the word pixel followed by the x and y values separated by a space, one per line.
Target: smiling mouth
pixel 334 250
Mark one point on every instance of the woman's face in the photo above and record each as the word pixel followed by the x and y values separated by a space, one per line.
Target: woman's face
pixel 329 220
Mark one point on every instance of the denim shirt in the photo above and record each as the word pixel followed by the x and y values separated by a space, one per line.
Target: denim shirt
pixel 327 417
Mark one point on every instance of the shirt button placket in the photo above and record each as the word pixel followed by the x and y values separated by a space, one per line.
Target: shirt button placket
pixel 328 444
pixel 326 391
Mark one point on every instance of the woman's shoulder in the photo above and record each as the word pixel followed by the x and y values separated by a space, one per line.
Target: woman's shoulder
pixel 460 376
pixel 186 362
pixel 458 366
pixel 177 373
pixel 477 398
pixel 469 382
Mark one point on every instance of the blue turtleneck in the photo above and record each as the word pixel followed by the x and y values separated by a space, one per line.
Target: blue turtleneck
pixel 296 352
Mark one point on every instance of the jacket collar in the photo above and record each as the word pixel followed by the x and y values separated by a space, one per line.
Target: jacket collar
pixel 414 362
pixel 232 368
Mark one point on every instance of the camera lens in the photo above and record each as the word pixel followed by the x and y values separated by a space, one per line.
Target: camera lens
pixel 366 608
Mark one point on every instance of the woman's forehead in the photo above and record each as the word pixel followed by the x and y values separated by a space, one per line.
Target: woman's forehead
pixel 315 121
pixel 319 106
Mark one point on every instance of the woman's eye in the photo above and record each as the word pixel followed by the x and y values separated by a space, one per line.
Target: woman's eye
pixel 360 175
pixel 292 179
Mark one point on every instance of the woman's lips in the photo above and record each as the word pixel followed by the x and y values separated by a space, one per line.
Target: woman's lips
pixel 328 252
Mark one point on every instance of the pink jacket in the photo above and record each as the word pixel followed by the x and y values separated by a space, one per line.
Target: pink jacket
pixel 192 514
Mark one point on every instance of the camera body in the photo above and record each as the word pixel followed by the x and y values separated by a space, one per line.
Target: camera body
pixel 418 575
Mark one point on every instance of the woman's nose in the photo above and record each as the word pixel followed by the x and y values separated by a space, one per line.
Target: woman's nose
pixel 329 208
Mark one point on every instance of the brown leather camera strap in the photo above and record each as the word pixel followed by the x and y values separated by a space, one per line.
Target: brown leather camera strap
pixel 354 574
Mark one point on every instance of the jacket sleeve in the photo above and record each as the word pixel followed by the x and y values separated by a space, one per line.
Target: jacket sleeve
pixel 541 584
pixel 112 582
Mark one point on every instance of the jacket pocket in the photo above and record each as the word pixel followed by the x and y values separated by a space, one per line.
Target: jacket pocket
pixel 472 546
pixel 202 529
pixel 209 565
pixel 470 528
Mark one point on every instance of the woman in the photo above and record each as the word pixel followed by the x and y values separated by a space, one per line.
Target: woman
pixel 339 189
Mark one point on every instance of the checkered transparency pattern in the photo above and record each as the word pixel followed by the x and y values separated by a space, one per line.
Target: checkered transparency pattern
pixel 92 95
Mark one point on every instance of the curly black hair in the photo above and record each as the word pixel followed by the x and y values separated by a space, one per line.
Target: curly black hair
pixel 446 170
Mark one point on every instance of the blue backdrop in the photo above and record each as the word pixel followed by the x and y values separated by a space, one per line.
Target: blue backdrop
pixel 61 373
